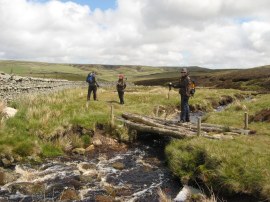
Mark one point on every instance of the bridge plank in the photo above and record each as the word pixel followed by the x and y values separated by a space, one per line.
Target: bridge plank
pixel 172 128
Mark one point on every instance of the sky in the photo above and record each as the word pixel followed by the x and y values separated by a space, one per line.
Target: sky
pixel 208 33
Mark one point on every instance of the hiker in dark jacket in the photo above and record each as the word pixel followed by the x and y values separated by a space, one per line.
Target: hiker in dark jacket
pixel 120 86
pixel 93 85
pixel 184 91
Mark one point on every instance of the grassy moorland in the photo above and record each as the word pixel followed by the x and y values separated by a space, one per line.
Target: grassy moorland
pixel 75 71
pixel 42 70
pixel 43 118
pixel 46 126
pixel 257 78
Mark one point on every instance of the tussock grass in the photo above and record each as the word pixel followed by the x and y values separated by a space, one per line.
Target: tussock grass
pixel 163 197
pixel 46 117
pixel 64 143
pixel 240 165
pixel 233 115
pixel 232 166
pixel 42 117
pixel 51 150
pixel 2 106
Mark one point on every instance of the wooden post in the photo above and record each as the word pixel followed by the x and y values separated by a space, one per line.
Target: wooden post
pixel 132 135
pixel 112 116
pixel 246 120
pixel 165 114
pixel 199 126
pixel 157 111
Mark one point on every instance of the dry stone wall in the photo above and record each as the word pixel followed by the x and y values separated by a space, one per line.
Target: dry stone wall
pixel 12 86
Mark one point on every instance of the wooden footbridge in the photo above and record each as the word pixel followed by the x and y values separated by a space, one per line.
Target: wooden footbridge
pixel 155 125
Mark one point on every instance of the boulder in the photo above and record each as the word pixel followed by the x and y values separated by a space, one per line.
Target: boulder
pixel 27 188
pixel 80 151
pixel 7 176
pixel 69 195
pixel 88 166
pixel 186 193
pixel 90 148
pixel 97 142
pixel 6 162
pixel 9 112
pixel 118 165
pixel 101 198
pixel 2 178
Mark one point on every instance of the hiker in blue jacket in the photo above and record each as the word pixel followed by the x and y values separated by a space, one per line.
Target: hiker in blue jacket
pixel 93 85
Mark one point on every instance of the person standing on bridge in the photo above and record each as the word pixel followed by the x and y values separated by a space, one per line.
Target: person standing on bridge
pixel 120 86
pixel 92 85
pixel 184 91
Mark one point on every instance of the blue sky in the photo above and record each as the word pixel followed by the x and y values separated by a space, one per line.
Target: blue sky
pixel 102 4
pixel 227 34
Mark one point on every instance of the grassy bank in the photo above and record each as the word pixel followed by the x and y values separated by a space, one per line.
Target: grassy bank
pixel 241 165
pixel 46 126
pixel 43 118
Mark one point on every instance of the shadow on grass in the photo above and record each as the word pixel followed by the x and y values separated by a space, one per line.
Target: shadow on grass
pixel 113 101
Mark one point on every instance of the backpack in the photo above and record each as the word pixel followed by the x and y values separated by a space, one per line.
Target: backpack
pixel 192 88
pixel 90 78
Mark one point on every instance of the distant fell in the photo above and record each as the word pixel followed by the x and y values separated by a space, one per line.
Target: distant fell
pixel 79 71
pixel 257 78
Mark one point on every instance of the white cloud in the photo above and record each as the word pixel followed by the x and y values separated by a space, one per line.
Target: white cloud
pixel 209 33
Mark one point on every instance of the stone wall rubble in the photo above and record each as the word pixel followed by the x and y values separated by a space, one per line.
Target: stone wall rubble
pixel 12 86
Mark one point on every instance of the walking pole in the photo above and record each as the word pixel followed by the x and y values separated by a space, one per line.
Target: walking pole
pixel 199 126
pixel 170 88
pixel 112 116
pixel 246 121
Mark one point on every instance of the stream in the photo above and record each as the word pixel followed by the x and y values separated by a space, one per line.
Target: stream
pixel 129 174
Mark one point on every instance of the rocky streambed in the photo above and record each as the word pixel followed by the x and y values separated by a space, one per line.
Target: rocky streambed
pixel 117 172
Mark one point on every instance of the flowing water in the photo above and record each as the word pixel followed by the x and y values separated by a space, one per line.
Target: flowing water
pixel 131 174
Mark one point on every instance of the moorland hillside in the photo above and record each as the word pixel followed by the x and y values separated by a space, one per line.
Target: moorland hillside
pixel 257 78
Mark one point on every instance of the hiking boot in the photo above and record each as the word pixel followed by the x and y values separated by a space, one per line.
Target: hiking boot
pixel 181 121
